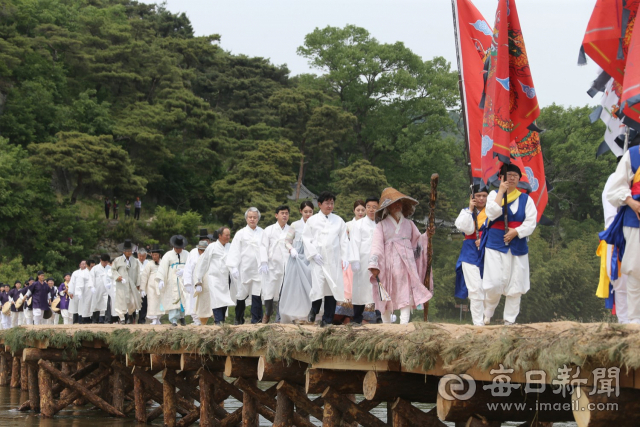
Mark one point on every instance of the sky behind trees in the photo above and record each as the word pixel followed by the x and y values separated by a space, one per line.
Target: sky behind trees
pixel 553 30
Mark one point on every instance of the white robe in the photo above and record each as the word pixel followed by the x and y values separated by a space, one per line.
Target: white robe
pixel 276 255
pixel 213 274
pixel 80 287
pixel 127 296
pixel 621 183
pixel 172 296
pixel 149 285
pixel 187 278
pixel 111 289
pixel 244 255
pixel 505 273
pixel 360 238
pixel 326 236
pixel 101 295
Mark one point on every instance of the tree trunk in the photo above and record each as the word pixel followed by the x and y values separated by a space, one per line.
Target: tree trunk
pixel 602 410
pixel 301 400
pixel 140 400
pixel 169 404
pixel 47 404
pixel 279 371
pixel 343 382
pixel 34 392
pixel 349 409
pixel 84 391
pixel 76 191
pixel 241 367
pixel 15 373
pixel 284 411
pixel 387 386
pixel 406 411
pixel 301 170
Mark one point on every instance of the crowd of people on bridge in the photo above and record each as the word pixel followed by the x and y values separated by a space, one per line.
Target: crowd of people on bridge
pixel 317 269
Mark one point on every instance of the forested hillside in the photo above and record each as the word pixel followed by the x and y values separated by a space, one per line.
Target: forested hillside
pixel 117 98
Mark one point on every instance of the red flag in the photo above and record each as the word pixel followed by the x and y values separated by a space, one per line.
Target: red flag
pixel 511 107
pixel 474 40
pixel 630 99
pixel 602 38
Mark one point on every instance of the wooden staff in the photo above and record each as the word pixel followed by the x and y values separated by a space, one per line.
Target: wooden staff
pixel 432 223
pixel 505 209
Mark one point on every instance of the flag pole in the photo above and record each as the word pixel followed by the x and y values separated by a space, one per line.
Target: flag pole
pixel 467 141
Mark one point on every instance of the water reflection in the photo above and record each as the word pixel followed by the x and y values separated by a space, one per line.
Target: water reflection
pixel 10 399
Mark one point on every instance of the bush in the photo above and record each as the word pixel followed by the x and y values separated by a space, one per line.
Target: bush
pixel 168 222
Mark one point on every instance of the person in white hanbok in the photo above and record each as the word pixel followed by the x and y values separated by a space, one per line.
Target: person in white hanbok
pixel 506 257
pixel 295 302
pixel 360 238
pixel 187 278
pixel 243 261
pixel 212 290
pixel 327 247
pixel 143 260
pixel 344 310
pixel 100 283
pixel 624 232
pixel 125 272
pixel 170 282
pixel 274 256
pixel 80 294
pixel 149 288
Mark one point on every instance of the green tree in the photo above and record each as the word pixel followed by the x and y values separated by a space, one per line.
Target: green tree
pixel 259 175
pixel 316 127
pixel 359 180
pixel 386 86
pixel 91 160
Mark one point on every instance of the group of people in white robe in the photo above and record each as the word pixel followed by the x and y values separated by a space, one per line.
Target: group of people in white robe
pixel 494 260
pixel 297 272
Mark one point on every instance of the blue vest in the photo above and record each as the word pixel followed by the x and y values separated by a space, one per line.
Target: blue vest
pixel 495 232
pixel 471 255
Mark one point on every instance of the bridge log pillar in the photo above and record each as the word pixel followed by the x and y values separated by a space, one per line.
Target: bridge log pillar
pixel 601 410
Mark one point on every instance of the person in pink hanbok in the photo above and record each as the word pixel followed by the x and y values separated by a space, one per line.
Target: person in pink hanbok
pixel 398 257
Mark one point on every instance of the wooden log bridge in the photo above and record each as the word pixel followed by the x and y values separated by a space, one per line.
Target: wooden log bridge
pixel 422 374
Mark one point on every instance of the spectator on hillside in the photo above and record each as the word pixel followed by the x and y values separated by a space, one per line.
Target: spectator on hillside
pixel 115 208
pixel 127 210
pixel 137 205
pixel 107 207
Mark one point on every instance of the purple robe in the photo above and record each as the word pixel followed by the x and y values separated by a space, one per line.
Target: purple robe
pixel 64 299
pixel 40 295
pixel 15 294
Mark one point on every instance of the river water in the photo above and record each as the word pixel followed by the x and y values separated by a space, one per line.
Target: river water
pixel 85 416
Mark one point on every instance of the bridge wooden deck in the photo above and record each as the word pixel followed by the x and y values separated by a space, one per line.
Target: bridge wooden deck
pixel 536 374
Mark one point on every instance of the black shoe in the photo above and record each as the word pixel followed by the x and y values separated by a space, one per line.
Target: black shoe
pixel 101 319
pixel 323 324
pixel 237 322
pixel 218 323
pixel 312 316
pixel 183 322
pixel 174 324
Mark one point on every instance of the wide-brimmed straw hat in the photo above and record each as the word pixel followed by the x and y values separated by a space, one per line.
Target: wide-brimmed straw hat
pixel 54 305
pixel 46 314
pixel 389 196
